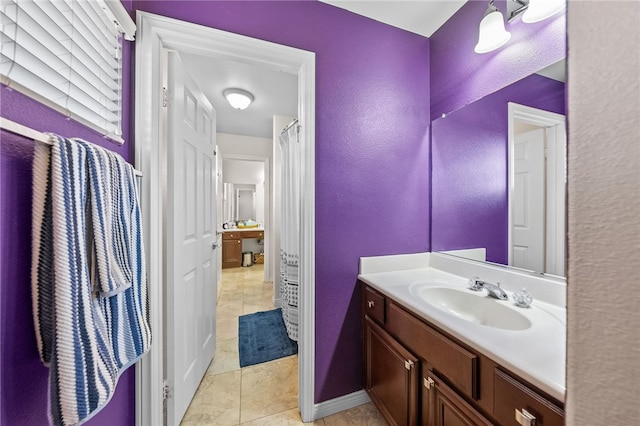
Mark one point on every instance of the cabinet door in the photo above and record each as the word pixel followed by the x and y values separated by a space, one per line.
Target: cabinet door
pixel 442 406
pixel 231 253
pixel 391 376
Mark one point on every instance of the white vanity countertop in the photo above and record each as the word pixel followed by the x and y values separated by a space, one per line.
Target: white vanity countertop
pixel 537 353
pixel 242 229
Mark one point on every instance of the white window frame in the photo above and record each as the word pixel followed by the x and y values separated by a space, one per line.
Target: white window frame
pixel 67 55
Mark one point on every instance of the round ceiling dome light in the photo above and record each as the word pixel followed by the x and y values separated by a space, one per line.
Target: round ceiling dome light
pixel 238 98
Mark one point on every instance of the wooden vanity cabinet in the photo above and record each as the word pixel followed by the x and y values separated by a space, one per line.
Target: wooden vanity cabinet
pixel 457 384
pixel 232 246
pixel 231 250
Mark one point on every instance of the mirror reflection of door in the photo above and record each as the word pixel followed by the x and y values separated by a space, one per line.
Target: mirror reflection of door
pixel 527 248
pixel 537 144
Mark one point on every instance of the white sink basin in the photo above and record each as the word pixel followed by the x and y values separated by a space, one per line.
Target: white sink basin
pixel 476 308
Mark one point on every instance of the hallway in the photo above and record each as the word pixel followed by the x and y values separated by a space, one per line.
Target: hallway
pixel 262 394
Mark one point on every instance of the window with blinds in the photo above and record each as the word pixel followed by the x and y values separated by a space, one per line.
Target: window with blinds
pixel 66 54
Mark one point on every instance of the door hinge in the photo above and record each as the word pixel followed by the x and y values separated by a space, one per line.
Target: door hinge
pixel 165 97
pixel 167 390
pixel 408 364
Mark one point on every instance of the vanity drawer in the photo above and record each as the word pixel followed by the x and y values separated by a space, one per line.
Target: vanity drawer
pixel 373 304
pixel 444 355
pixel 252 234
pixel 231 235
pixel 510 396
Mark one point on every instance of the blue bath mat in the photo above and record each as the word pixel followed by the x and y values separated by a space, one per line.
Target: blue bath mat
pixel 262 337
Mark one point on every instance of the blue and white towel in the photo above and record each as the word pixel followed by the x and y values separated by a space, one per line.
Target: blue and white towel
pixel 88 275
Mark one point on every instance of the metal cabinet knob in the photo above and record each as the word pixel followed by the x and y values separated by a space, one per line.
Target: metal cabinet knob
pixel 371 303
pixel 525 418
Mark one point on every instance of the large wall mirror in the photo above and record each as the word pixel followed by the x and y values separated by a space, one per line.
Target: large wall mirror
pixel 243 188
pixel 239 202
pixel 499 172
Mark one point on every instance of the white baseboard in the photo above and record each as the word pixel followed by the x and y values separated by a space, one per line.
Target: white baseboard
pixel 339 404
pixel 277 303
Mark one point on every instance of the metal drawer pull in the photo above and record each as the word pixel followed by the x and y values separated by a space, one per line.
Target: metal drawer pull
pixel 429 383
pixel 525 418
pixel 371 303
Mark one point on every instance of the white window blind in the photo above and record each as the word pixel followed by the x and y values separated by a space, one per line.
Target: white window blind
pixel 68 55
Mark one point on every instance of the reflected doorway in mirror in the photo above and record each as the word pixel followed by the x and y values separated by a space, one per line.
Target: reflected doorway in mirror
pixel 537 175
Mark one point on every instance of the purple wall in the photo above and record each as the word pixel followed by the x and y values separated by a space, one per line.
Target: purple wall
pixel 372 182
pixel 469 204
pixel 23 378
pixel 372 152
pixel 460 76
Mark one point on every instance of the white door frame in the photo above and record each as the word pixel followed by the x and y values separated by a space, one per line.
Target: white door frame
pixel 157 33
pixel 549 120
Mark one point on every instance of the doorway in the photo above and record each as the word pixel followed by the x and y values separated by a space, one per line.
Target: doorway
pixel 246 191
pixel 158 34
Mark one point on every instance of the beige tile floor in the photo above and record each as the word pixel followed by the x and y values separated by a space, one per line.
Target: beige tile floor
pixel 262 394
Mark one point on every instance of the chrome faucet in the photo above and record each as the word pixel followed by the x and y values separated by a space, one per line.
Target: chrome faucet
pixel 494 290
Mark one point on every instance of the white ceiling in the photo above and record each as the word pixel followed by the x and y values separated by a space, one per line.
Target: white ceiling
pixel 422 17
pixel 276 93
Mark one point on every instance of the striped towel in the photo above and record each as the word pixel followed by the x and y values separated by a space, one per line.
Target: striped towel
pixel 88 275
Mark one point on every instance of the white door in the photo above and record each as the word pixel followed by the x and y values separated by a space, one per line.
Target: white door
pixel 191 234
pixel 528 203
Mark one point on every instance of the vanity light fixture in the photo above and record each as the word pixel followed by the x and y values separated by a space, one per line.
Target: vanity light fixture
pixel 539 10
pixel 491 34
pixel 238 98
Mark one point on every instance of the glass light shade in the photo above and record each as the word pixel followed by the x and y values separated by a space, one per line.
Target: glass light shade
pixel 492 34
pixel 238 98
pixel 539 10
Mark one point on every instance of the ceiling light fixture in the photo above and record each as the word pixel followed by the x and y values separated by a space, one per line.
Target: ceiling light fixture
pixel 491 34
pixel 238 98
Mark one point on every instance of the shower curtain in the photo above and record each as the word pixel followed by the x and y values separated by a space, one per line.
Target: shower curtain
pixel 290 227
